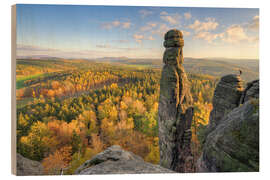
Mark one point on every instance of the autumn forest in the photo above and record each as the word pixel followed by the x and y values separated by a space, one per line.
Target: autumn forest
pixel 70 110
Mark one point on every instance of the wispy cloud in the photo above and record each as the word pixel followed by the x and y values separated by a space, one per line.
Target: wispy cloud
pixel 121 41
pixel 164 13
pixel 22 47
pixel 148 26
pixel 103 50
pixel 126 25
pixel 151 38
pixel 233 34
pixel 207 36
pixel 187 15
pixel 31 50
pixel 254 24
pixel 144 13
pixel 208 25
pixel 236 34
pixel 103 46
pixel 116 23
pixel 170 18
pixel 138 37
pixel 161 29
pixel 185 33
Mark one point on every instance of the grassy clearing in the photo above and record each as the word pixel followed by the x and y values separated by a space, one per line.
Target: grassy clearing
pixel 24 102
pixel 138 66
pixel 20 80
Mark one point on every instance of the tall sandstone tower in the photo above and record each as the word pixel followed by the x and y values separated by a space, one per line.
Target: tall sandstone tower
pixel 175 111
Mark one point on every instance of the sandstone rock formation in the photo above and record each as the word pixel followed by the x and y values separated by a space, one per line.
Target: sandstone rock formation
pixel 27 167
pixel 251 91
pixel 115 160
pixel 233 144
pixel 226 97
pixel 175 111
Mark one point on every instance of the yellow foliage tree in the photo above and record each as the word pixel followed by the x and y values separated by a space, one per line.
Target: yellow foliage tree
pixel 57 162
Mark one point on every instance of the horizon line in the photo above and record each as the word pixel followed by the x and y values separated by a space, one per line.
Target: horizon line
pixel 43 57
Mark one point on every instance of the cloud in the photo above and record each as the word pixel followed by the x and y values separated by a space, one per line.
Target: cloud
pixel 163 13
pixel 126 25
pixel 209 25
pixel 254 24
pixel 185 33
pixel 27 50
pixel 22 47
pixel 103 46
pixel 236 33
pixel 233 34
pixel 187 15
pixel 160 30
pixel 121 41
pixel 113 51
pixel 125 48
pixel 116 23
pixel 32 50
pixel 145 13
pixel 209 37
pixel 151 38
pixel 148 26
pixel 110 25
pixel 170 18
pixel 138 37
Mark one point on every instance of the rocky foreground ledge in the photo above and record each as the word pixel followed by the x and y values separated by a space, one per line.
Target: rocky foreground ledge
pixel 115 160
pixel 27 167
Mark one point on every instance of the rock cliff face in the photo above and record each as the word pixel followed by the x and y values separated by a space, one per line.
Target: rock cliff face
pixel 251 91
pixel 175 106
pixel 226 97
pixel 115 160
pixel 232 145
pixel 27 167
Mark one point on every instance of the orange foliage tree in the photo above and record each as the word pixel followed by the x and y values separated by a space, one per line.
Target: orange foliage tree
pixel 58 161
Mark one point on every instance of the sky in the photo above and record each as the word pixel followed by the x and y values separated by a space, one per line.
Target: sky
pixel 91 32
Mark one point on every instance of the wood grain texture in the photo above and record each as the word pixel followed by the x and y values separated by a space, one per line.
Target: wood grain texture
pixel 13 89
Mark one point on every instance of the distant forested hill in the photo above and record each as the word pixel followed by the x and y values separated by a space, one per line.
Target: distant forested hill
pixel 212 66
pixel 215 67
pixel 249 68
